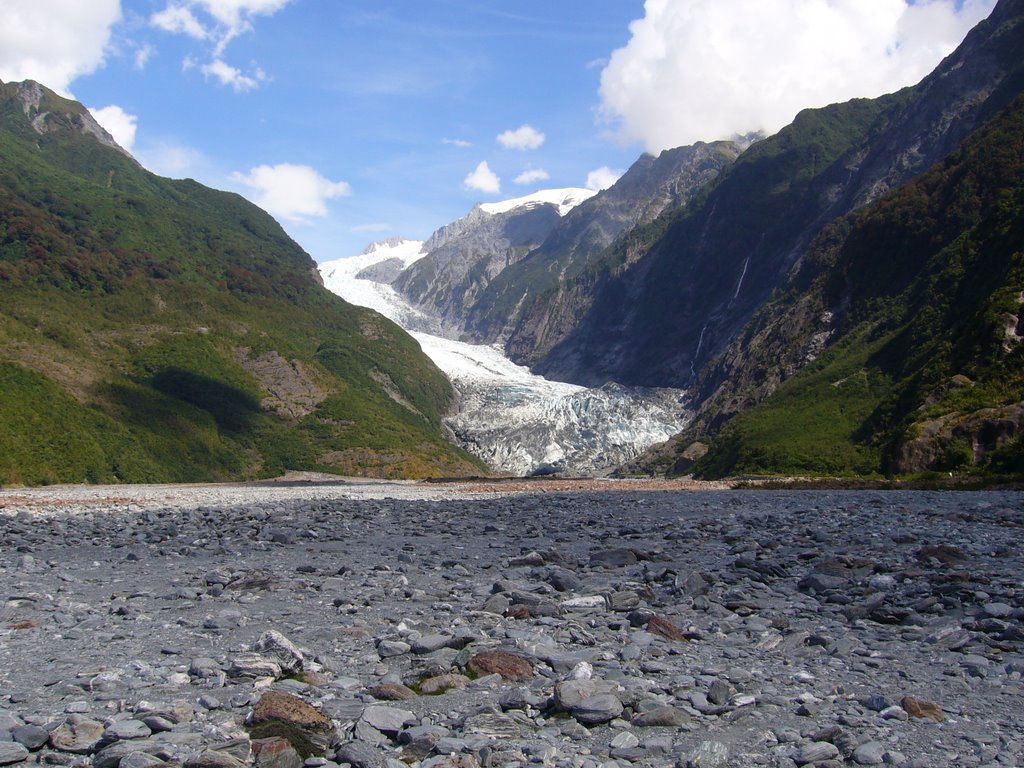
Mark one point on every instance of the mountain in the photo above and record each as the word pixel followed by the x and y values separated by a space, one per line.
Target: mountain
pixel 666 299
pixel 515 306
pixel 462 258
pixel 519 423
pixel 885 342
pixel 155 330
pixel 909 311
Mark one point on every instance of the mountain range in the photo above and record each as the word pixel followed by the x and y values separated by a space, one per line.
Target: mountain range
pixel 735 273
pixel 842 298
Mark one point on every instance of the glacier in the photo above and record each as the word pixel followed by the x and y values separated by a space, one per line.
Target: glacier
pixel 517 422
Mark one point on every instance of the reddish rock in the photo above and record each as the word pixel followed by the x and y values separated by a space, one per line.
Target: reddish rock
pixel 508 665
pixel 922 709
pixel 275 753
pixel 665 628
pixel 392 692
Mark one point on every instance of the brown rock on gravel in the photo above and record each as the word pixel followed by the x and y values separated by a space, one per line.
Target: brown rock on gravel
pixel 665 628
pixel 922 709
pixel 508 665
pixel 392 692
pixel 300 719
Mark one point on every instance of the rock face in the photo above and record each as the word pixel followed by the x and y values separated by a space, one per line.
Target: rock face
pixel 669 303
pixel 464 256
pixel 957 440
pixel 515 306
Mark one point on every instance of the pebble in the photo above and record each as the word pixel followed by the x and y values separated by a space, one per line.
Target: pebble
pixel 573 630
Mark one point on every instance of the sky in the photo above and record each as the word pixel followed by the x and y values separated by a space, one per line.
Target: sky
pixel 353 121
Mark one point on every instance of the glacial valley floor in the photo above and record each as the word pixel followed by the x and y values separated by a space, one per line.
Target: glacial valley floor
pixel 441 627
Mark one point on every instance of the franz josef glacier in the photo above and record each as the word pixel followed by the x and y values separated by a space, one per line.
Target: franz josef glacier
pixel 517 422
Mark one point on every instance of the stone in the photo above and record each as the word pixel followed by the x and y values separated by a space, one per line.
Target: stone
pixel 32 737
pixel 815 752
pixel 599 708
pixel 869 753
pixel 275 752
pixel 388 720
pixel 434 685
pixel 708 754
pixel 287 716
pixel 392 692
pixel 360 755
pixel 508 665
pixel 78 735
pixel 665 716
pixel 214 758
pixel 282 650
pixel 12 752
pixel 657 625
pixel 254 665
pixel 922 709
pixel 126 729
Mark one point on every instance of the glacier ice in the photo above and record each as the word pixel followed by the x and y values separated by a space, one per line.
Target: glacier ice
pixel 517 422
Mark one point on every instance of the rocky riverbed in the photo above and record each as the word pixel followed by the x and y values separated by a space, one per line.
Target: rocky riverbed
pixel 415 627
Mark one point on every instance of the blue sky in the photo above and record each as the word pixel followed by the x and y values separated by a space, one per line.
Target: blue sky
pixel 352 120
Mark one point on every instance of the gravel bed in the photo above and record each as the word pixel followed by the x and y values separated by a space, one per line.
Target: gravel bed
pixel 365 624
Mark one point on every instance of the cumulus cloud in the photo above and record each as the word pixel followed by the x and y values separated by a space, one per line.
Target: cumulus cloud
pixel 218 22
pixel 532 176
pixel 524 137
pixel 118 123
pixel 704 69
pixel 291 192
pixel 602 178
pixel 55 41
pixel 483 179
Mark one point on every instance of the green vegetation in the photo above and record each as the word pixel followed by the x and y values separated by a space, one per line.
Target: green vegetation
pixel 933 279
pixel 154 330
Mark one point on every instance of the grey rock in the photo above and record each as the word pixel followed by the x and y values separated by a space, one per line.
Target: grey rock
pixel 389 720
pixel 599 708
pixel 77 734
pixel 869 753
pixel 360 755
pixel 12 752
pixel 282 650
pixel 707 754
pixel 32 737
pixel 815 752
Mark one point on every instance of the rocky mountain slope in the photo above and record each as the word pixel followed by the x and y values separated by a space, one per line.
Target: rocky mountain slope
pixel 462 258
pixel 516 301
pixel 672 297
pixel 914 305
pixel 158 330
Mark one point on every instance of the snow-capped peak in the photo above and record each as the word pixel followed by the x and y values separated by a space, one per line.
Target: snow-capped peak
pixel 564 199
pixel 406 251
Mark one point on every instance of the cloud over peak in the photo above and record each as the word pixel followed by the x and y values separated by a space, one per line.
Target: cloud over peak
pixel 291 192
pixel 483 179
pixel 704 69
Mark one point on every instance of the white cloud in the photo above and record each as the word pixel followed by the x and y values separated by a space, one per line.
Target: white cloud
pixel 228 75
pixel 177 19
pixel 483 179
pixel 457 142
pixel 703 69
pixel 55 41
pixel 602 178
pixel 291 192
pixel 532 175
pixel 219 22
pixel 118 123
pixel 142 56
pixel 524 137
